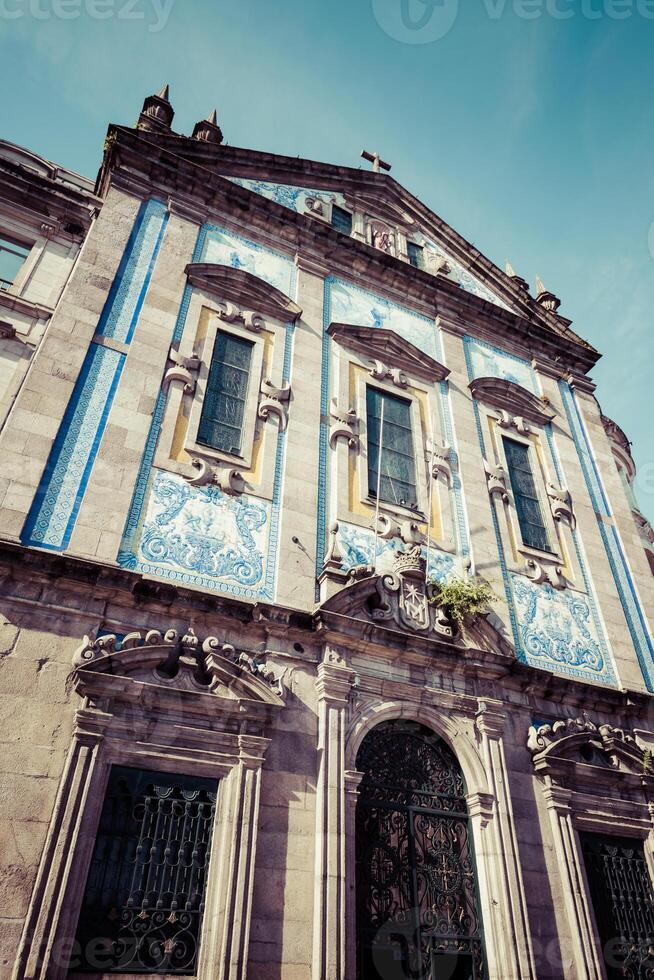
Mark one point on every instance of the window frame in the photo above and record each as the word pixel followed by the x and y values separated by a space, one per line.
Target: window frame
pixel 540 481
pixel 422 264
pixel 192 444
pixel 419 444
pixel 538 496
pixel 248 373
pixel 337 207
pixel 28 246
pixel 372 491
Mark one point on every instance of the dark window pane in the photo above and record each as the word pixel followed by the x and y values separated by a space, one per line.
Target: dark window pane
pixel 223 409
pixel 341 220
pixel 12 256
pixel 144 898
pixel 397 483
pixel 416 255
pixel 525 495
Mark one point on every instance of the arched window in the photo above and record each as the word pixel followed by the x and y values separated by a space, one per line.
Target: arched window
pixel 417 908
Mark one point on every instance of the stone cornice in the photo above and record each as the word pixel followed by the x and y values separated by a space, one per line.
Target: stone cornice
pixel 160 164
pixel 513 398
pixel 226 282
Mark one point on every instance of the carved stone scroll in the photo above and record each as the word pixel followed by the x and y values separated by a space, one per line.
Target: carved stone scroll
pixel 274 401
pixel 561 504
pixel 343 425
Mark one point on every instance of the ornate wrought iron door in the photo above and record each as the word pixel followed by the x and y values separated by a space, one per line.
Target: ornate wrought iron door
pixel 144 897
pixel 623 902
pixel 417 914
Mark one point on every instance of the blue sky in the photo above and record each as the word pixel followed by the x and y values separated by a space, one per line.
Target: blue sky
pixel 531 134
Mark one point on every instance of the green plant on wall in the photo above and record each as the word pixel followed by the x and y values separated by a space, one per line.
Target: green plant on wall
pixel 461 597
pixel 647 762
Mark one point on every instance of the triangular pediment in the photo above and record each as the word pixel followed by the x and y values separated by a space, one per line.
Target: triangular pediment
pixel 293 182
pixel 388 348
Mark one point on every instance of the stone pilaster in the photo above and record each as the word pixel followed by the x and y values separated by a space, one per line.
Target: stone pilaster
pixel 329 948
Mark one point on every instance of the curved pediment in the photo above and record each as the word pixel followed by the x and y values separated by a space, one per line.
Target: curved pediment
pixel 243 287
pixel 384 209
pixel 386 346
pixel 563 746
pixel 162 667
pixel 512 398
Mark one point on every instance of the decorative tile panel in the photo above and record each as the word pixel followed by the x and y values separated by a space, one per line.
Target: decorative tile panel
pixel 619 564
pixel 461 275
pixel 202 536
pixel 127 293
pixel 358 547
pixel 487 361
pixel 227 248
pixel 288 195
pixel 56 504
pixel 557 627
pixel 350 304
pixel 52 516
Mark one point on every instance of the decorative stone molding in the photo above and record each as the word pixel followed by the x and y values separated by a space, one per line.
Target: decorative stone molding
pixel 438 458
pixel 381 371
pixel 343 425
pixel 252 292
pixel 389 348
pixel 383 237
pixel 334 556
pixel 508 421
pixel 541 571
pixel 496 479
pixel 545 298
pixel 513 401
pixel 315 205
pixel 184 371
pixel 7 330
pixel 544 736
pixel 560 500
pixel 274 402
pixel 231 313
pixel 407 531
pixel 436 264
pixel 228 478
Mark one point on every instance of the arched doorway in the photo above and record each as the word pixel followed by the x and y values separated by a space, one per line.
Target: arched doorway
pixel 417 908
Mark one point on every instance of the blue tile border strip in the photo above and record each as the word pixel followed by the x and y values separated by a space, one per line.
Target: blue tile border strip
pixel 607 676
pixel 55 507
pixel 618 562
pixel 128 557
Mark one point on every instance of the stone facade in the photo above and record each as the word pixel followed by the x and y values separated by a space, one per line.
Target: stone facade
pixel 251 617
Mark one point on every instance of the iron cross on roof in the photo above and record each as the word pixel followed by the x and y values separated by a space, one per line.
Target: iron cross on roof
pixel 377 163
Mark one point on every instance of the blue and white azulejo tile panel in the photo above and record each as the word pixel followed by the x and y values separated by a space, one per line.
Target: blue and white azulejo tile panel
pixel 56 504
pixel 288 195
pixel 227 248
pixel 358 547
pixel 350 304
pixel 558 629
pixel 204 537
pixel 57 501
pixel 486 361
pixel 460 274
pixel 127 293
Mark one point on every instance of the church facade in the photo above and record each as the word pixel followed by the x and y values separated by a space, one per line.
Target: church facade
pixel 271 430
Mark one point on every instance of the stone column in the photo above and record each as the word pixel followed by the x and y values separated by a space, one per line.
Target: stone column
pixel 226 928
pixel 46 943
pixel 582 932
pixel 352 782
pixel 333 686
pixel 508 907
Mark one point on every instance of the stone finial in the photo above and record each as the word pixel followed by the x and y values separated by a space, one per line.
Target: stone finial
pixel 518 280
pixel 157 113
pixel 208 130
pixel 546 299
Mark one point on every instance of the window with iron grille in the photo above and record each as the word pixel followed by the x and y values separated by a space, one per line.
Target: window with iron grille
pixel 391 461
pixel 623 902
pixel 416 255
pixel 144 898
pixel 525 496
pixel 12 256
pixel 223 408
pixel 341 220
